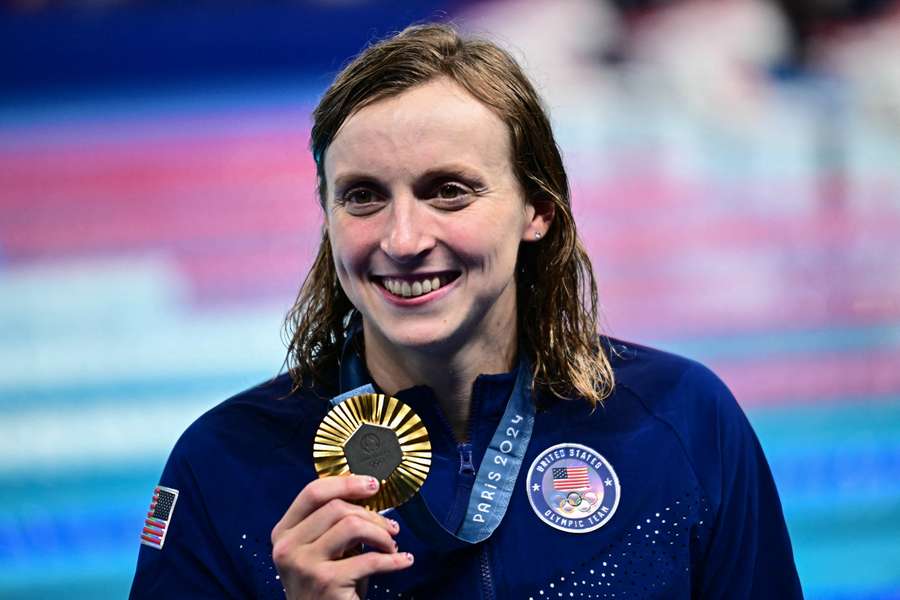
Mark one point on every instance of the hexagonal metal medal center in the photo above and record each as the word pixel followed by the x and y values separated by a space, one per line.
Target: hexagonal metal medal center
pixel 373 450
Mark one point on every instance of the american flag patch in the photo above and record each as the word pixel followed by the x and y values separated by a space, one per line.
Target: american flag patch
pixel 158 517
pixel 571 479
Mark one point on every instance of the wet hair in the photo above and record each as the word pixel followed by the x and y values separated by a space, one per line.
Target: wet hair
pixel 556 293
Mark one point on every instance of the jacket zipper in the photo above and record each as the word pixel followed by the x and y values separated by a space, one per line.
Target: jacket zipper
pixel 465 459
pixel 487 580
pixel 466 467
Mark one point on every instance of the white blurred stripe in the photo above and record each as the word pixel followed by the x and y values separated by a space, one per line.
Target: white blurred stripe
pixel 196 346
pixel 97 321
pixel 81 437
pixel 78 293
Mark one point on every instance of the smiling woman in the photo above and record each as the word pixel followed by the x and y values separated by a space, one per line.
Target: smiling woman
pixel 451 279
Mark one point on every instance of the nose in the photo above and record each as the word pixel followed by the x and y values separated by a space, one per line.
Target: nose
pixel 407 236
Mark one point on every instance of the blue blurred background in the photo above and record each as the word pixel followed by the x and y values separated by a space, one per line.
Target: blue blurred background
pixel 736 177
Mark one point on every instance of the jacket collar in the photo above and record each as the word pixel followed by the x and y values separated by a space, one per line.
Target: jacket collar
pixel 490 393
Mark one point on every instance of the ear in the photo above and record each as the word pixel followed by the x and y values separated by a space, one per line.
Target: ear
pixel 542 212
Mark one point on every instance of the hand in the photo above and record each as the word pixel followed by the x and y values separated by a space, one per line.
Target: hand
pixel 316 544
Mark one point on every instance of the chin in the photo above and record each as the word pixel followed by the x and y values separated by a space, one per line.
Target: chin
pixel 426 341
pixel 431 337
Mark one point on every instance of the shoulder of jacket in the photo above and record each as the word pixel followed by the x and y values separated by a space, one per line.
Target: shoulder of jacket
pixel 258 417
pixel 666 382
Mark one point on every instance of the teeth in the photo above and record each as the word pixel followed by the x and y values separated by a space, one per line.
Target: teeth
pixel 411 290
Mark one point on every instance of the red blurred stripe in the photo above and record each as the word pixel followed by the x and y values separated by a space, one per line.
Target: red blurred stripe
pixel 804 379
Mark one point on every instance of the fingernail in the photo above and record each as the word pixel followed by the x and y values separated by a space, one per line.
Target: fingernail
pixel 409 556
pixel 394 525
pixel 372 483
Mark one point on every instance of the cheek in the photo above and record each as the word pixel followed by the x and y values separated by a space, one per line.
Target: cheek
pixel 490 247
pixel 351 244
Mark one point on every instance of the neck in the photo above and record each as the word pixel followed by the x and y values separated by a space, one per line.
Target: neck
pixel 449 373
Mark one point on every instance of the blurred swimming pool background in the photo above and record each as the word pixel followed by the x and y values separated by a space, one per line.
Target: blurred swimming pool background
pixel 154 231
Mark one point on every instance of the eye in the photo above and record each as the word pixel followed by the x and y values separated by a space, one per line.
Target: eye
pixel 451 191
pixel 361 200
pixel 452 195
pixel 359 196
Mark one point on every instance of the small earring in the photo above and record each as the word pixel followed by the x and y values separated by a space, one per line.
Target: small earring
pixel 537 235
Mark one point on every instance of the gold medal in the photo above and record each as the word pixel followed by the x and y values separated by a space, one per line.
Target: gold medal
pixel 377 435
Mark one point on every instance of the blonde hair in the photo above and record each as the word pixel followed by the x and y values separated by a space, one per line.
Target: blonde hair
pixel 556 291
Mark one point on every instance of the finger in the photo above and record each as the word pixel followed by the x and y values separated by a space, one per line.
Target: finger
pixel 359 567
pixel 320 492
pixel 351 531
pixel 323 579
pixel 323 518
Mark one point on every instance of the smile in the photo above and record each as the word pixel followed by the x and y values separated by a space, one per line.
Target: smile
pixel 413 286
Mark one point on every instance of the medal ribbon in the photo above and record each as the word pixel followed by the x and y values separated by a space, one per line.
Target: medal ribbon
pixel 496 476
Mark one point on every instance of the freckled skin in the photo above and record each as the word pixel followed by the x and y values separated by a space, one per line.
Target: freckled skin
pixel 393 145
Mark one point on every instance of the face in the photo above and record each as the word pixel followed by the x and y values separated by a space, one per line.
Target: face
pixel 425 217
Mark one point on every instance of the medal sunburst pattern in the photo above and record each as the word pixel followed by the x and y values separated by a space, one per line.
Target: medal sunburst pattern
pixel 343 420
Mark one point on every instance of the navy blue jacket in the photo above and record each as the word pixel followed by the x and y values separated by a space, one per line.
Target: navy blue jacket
pixel 698 513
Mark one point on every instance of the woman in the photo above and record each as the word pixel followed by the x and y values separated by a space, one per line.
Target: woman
pixel 450 276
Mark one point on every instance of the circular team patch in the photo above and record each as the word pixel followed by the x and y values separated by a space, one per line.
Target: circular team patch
pixel 573 488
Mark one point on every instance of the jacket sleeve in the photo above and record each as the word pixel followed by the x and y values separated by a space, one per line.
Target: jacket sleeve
pixel 748 554
pixel 192 562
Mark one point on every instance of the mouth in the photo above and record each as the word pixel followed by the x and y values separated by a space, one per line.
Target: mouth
pixel 415 285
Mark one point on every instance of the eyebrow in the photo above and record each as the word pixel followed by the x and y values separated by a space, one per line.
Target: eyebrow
pixel 345 180
pixel 460 170
pixel 452 170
